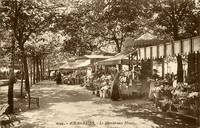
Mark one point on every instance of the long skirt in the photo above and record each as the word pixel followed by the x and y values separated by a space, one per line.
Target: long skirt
pixel 58 80
pixel 115 92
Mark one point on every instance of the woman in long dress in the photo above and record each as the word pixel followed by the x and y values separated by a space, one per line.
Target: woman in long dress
pixel 115 96
pixel 59 79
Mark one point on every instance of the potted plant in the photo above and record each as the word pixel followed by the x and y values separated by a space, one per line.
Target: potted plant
pixel 194 92
pixel 180 96
pixel 186 96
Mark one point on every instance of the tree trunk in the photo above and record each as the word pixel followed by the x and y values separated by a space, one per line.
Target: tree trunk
pixel 22 80
pixel 175 30
pixel 37 70
pixel 27 86
pixel 191 64
pixel 198 71
pixel 30 67
pixel 41 70
pixel 49 72
pixel 26 74
pixel 11 82
pixel 179 69
pixel 31 73
pixel 163 68
pixel 34 69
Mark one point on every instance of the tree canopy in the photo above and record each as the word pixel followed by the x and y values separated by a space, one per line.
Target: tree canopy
pixel 176 18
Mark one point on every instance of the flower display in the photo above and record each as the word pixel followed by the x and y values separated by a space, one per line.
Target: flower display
pixel 186 94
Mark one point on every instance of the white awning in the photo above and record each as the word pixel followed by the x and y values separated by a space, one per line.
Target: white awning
pixel 121 58
pixel 184 46
pixel 76 64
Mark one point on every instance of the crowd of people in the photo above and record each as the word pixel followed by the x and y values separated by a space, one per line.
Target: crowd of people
pixel 107 84
pixel 71 77
pixel 110 84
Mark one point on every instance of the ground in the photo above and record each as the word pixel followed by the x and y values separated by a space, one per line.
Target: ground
pixel 73 106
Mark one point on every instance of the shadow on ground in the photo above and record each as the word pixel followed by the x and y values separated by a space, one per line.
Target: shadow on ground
pixel 63 104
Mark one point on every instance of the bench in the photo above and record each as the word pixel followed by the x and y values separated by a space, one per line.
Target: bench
pixel 34 101
pixel 5 119
pixel 3 109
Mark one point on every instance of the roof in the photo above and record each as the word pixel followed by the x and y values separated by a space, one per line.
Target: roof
pixel 93 57
pixel 97 56
pixel 120 58
pixel 58 65
pixel 76 64
pixel 146 39
pixel 102 52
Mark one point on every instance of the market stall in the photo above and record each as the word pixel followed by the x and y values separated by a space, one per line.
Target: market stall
pixel 182 97
pixel 131 86
pixel 76 74
pixel 111 63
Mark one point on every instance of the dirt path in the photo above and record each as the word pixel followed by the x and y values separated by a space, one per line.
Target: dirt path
pixel 64 106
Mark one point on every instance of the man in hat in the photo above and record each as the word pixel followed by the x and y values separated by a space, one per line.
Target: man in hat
pixel 155 76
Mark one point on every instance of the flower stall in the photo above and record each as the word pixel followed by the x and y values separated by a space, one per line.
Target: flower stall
pixel 185 93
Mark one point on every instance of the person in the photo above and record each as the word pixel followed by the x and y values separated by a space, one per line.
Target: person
pixel 115 96
pixel 155 75
pixel 59 79
pixel 137 72
pixel 152 94
pixel 153 78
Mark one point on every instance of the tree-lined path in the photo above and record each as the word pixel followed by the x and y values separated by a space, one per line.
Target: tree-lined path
pixel 64 105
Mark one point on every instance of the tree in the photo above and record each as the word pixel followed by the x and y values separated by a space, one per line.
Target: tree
pixel 8 51
pixel 95 23
pixel 24 18
pixel 41 47
pixel 114 20
pixel 175 18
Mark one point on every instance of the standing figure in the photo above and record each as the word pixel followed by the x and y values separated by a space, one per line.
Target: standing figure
pixel 59 79
pixel 153 79
pixel 115 95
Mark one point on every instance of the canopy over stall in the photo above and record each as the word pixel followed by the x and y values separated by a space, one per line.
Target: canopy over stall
pixel 94 58
pixel 121 58
pixel 76 64
pixel 185 46
pixel 84 64
pixel 58 65
pixel 146 39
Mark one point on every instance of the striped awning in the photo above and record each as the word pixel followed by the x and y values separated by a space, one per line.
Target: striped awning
pixel 184 46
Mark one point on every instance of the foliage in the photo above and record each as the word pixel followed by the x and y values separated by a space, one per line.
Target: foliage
pixel 25 18
pixel 186 94
pixel 99 23
pixel 175 18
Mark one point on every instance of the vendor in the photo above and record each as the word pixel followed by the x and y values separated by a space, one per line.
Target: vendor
pixel 153 94
pixel 59 78
pixel 155 75
pixel 115 95
pixel 137 72
pixel 153 78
